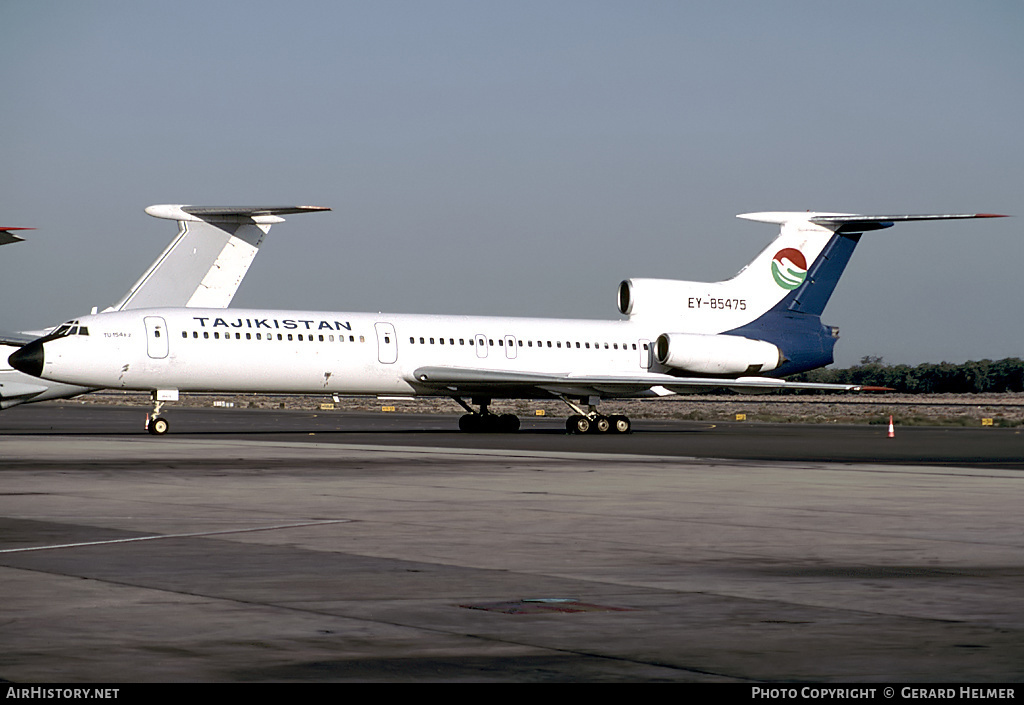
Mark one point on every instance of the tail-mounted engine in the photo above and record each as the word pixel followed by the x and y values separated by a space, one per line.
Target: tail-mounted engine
pixel 716 354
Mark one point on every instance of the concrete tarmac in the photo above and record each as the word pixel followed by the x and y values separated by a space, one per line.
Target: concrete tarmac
pixel 237 554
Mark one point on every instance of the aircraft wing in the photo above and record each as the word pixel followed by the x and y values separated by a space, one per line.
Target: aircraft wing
pixel 469 381
pixel 17 339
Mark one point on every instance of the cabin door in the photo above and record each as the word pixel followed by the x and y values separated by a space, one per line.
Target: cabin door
pixel 156 337
pixel 646 354
pixel 387 343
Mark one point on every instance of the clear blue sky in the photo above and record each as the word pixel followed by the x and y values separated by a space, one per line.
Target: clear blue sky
pixel 521 158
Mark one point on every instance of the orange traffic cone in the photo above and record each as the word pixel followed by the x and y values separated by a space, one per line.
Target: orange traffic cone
pixel 892 431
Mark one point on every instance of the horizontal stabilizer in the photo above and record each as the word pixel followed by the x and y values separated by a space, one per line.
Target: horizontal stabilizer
pixel 864 223
pixel 852 222
pixel 256 214
pixel 6 238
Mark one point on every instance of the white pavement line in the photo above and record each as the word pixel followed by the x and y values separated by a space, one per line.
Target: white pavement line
pixel 177 536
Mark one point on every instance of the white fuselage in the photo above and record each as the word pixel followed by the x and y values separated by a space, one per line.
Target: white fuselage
pixel 211 350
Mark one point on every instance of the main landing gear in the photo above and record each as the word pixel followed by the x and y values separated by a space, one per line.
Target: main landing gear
pixel 589 421
pixel 484 421
pixel 596 423
pixel 592 422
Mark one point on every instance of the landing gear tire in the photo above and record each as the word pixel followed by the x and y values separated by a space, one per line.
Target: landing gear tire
pixel 602 424
pixel 158 426
pixel 621 424
pixel 578 424
pixel 470 423
pixel 508 423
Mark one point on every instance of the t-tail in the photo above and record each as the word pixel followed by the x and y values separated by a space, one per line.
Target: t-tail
pixel 204 265
pixel 767 318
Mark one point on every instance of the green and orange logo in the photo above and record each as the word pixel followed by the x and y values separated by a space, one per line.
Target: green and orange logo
pixel 789 268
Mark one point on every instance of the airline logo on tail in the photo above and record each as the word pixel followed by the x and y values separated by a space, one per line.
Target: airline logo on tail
pixel 789 268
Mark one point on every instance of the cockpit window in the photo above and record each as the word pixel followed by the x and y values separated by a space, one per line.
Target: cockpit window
pixel 69 328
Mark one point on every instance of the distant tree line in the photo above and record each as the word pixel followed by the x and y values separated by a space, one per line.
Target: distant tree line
pixel 928 378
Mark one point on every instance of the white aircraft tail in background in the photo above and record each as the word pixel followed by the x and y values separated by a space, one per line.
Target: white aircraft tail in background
pixel 202 266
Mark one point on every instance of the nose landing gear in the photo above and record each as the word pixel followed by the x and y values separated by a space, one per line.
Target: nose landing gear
pixel 155 423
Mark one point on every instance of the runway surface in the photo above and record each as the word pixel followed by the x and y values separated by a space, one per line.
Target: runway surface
pixel 951 445
pixel 385 547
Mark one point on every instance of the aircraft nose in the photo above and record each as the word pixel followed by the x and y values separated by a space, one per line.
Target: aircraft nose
pixel 28 359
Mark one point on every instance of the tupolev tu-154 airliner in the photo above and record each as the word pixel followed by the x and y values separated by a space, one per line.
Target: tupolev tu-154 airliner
pixel 742 334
